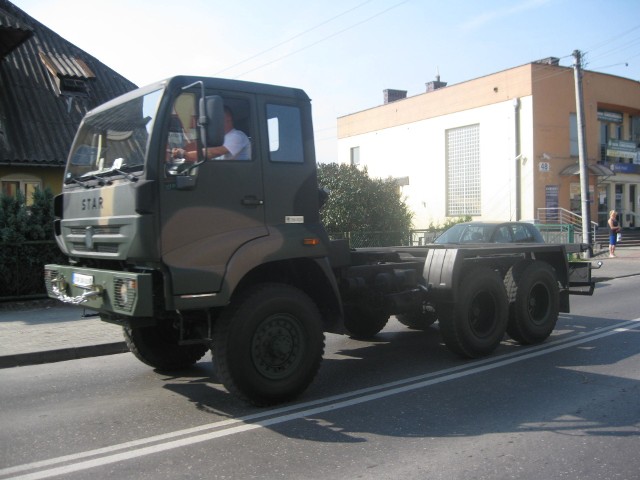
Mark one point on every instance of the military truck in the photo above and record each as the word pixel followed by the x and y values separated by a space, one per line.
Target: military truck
pixel 196 254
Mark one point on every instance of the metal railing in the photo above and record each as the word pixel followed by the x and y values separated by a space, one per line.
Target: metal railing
pixel 561 216
pixel 557 233
pixel 374 239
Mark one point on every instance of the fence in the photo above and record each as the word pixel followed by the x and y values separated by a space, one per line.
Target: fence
pixel 560 233
pixel 22 267
pixel 374 239
pixel 387 239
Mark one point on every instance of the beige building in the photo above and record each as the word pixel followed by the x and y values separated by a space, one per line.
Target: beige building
pixel 504 146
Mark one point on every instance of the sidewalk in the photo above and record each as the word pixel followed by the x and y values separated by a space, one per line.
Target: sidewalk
pixel 46 331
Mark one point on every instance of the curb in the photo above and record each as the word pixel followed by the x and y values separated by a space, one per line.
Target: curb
pixel 61 355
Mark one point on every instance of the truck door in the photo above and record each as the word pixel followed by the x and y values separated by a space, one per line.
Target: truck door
pixel 202 226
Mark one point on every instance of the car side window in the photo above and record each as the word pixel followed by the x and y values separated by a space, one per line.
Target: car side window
pixel 502 235
pixel 520 234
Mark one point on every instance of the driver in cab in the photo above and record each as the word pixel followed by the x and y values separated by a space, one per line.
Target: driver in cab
pixel 236 146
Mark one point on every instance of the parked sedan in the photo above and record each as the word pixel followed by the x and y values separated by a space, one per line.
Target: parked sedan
pixel 491 232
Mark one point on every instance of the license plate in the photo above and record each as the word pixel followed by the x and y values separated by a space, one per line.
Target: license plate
pixel 81 280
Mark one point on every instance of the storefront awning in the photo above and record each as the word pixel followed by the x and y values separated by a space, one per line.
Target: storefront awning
pixel 594 168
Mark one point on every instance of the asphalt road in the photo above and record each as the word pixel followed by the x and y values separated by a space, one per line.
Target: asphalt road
pixel 399 407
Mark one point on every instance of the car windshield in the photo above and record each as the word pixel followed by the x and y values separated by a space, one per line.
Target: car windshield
pixel 452 235
pixel 113 141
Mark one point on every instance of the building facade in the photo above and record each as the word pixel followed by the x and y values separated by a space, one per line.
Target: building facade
pixel 504 146
pixel 47 84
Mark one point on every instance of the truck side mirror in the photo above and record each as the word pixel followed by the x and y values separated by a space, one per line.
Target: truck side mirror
pixel 212 121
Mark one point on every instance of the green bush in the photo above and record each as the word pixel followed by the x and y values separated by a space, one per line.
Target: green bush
pixel 26 243
pixel 359 203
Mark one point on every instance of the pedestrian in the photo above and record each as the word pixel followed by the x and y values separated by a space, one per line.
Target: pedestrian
pixel 614 229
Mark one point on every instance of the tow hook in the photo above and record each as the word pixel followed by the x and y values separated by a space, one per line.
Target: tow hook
pixel 59 286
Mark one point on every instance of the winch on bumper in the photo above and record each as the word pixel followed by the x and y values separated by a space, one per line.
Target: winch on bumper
pixel 123 293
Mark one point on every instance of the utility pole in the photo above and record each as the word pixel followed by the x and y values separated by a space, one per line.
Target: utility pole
pixel 582 155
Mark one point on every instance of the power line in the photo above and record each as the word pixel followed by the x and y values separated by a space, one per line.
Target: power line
pixel 325 38
pixel 292 38
pixel 613 39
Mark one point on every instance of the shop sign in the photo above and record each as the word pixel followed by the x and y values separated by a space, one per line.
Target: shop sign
pixel 624 167
pixel 622 149
pixel 610 117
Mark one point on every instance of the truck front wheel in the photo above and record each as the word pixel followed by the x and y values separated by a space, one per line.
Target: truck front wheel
pixel 158 347
pixel 475 324
pixel 268 344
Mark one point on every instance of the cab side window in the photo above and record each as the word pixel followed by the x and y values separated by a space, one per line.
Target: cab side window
pixel 182 133
pixel 284 124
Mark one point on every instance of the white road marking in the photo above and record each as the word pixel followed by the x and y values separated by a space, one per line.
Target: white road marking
pixel 136 448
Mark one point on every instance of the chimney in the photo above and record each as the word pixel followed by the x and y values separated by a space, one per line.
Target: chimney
pixel 393 95
pixel 549 61
pixel 432 86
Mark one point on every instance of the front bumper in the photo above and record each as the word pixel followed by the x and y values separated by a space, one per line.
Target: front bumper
pixel 123 293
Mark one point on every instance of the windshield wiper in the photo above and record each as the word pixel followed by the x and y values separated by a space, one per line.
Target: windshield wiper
pixel 73 180
pixel 101 181
pixel 126 175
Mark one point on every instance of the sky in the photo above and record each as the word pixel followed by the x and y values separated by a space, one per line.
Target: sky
pixel 345 53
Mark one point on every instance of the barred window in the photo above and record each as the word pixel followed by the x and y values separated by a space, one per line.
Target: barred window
pixel 463 171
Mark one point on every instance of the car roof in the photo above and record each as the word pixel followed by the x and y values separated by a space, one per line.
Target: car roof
pixel 492 222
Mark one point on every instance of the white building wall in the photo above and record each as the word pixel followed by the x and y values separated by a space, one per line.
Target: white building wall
pixel 417 151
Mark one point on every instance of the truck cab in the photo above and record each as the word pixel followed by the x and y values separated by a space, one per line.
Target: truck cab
pixel 188 230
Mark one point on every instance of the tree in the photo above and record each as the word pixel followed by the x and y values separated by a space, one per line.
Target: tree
pixel 358 203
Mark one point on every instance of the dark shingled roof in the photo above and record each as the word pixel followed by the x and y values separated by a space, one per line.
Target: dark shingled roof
pixel 46 86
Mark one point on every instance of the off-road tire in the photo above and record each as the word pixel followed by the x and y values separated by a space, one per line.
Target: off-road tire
pixel 417 320
pixel 475 324
pixel 534 312
pixel 364 322
pixel 268 344
pixel 158 347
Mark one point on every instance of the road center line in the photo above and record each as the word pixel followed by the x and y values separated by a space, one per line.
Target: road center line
pixel 293 412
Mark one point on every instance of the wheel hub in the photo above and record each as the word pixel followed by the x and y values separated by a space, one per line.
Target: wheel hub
pixel 276 346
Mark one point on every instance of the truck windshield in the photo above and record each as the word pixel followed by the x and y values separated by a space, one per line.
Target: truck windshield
pixel 113 141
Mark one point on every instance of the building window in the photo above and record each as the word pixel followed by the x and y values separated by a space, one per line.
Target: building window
pixel 355 156
pixel 12 184
pixel 463 171
pixel 70 74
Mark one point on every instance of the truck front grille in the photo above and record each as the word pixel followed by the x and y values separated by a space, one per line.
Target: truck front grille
pixel 100 248
pixel 103 239
pixel 97 230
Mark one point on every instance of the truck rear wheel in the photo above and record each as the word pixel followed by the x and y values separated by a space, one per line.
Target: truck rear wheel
pixel 268 344
pixel 363 322
pixel 534 312
pixel 476 323
pixel 418 320
pixel 158 347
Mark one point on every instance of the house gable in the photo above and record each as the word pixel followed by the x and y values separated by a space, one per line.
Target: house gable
pixel 47 84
